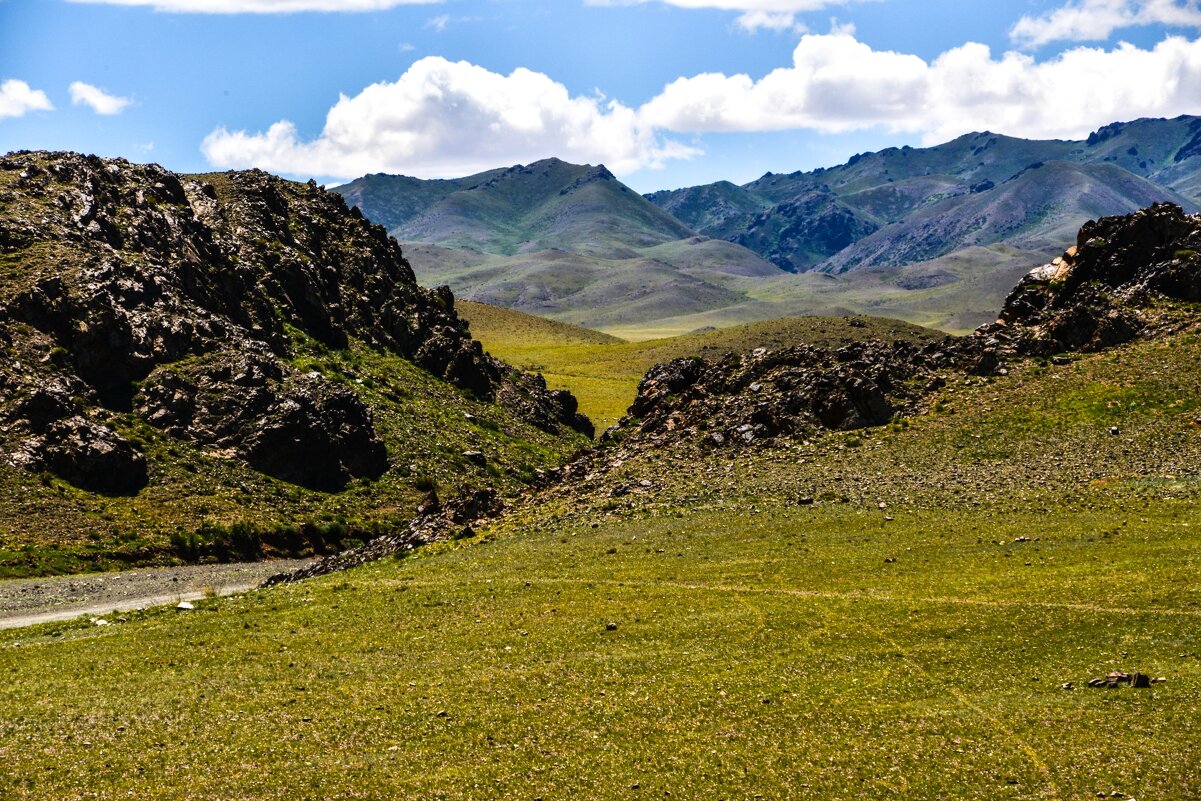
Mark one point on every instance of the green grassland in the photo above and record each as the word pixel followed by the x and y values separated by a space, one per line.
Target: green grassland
pixel 603 371
pixel 679 287
pixel 706 636
pixel 49 526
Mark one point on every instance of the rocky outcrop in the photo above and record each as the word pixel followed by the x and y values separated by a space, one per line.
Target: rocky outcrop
pixel 298 428
pixel 179 299
pixel 1111 286
pixel 88 455
pixel 799 233
pixel 1126 277
pixel 793 392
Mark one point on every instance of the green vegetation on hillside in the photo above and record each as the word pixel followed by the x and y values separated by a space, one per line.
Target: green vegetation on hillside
pixel 556 239
pixel 49 526
pixel 519 210
pixel 706 636
pixel 603 372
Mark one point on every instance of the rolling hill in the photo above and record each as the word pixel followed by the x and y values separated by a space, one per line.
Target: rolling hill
pixel 559 240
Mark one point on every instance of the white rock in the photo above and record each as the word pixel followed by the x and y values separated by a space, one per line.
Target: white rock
pixel 184 605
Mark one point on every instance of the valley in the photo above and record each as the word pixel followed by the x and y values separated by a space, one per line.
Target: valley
pixel 840 556
pixel 705 636
pixel 606 400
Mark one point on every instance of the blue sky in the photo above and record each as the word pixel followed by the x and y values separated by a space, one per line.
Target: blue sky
pixel 668 93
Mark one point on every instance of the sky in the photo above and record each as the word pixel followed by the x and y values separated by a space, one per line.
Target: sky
pixel 666 93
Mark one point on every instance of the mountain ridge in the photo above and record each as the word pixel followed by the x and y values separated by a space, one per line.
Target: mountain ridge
pixel 890 186
pixel 555 239
pixel 932 235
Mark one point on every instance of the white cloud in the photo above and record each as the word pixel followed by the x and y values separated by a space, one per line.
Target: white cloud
pixel 446 118
pixel 438 23
pixel 261 6
pixel 100 101
pixel 837 83
pixel 770 20
pixel 17 99
pixel 1096 20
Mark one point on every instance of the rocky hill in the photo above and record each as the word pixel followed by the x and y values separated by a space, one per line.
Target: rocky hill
pixel 133 299
pixel 1130 276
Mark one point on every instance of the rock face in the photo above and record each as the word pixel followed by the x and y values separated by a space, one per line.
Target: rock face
pixel 742 400
pixel 802 232
pixel 1126 277
pixel 130 289
pixel 301 429
pixel 1111 285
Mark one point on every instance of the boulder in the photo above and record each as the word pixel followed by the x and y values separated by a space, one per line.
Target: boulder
pixel 88 455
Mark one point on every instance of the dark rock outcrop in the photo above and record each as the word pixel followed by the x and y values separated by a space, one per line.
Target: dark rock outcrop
pixel 1127 277
pixel 88 455
pixel 751 398
pixel 301 429
pixel 179 299
pixel 1110 286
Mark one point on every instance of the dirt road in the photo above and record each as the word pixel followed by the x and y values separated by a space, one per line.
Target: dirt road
pixel 25 602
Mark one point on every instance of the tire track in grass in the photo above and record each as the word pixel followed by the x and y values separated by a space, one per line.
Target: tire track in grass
pixel 853 595
pixel 1032 754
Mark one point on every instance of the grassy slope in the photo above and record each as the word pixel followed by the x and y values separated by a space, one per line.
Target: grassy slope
pixel 761 648
pixel 679 277
pixel 46 525
pixel 604 372
pixel 955 293
pixel 556 239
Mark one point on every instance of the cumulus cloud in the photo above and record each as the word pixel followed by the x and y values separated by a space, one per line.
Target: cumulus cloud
pixel 451 118
pixel 1096 20
pixel 18 98
pixel 261 6
pixel 445 118
pixel 98 100
pixel 837 83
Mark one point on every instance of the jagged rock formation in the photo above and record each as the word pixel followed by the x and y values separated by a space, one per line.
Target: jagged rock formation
pixel 1110 286
pixel 127 288
pixel 749 398
pixel 1126 276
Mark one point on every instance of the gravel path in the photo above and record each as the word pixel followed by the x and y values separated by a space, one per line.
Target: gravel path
pixel 25 602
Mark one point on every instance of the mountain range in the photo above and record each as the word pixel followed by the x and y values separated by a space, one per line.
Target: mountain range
pixel 933 235
pixel 559 240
